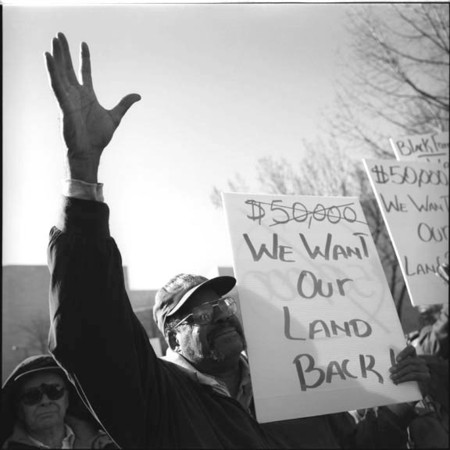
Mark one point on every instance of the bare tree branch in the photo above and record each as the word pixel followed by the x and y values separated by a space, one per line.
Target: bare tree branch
pixel 396 79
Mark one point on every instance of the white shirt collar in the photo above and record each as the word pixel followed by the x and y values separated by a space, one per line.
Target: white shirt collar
pixel 67 442
pixel 245 393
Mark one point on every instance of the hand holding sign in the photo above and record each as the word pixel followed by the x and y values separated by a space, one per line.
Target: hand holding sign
pixel 410 367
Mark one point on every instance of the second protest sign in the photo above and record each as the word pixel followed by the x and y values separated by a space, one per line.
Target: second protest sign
pixel 414 201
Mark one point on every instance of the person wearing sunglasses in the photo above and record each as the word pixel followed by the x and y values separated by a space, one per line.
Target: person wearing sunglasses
pixel 39 409
pixel 199 395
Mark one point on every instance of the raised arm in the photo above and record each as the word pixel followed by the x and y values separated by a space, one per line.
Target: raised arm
pixel 87 126
pixel 94 334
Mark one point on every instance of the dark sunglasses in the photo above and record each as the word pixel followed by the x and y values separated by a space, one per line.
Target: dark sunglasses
pixel 203 314
pixel 34 395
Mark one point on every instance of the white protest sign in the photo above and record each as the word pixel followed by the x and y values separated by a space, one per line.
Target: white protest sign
pixel 318 316
pixel 413 198
pixel 422 148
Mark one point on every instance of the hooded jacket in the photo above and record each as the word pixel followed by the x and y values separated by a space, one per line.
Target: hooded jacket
pixel 87 433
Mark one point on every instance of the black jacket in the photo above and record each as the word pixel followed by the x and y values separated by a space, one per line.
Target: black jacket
pixel 143 401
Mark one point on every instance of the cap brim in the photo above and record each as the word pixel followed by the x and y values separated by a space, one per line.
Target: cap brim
pixel 221 285
pixel 40 369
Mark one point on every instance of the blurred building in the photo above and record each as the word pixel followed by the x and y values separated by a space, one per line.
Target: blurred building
pixel 25 318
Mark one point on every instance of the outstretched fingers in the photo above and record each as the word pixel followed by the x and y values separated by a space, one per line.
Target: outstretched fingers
pixel 55 80
pixel 80 98
pixel 67 65
pixel 58 59
pixel 86 75
pixel 123 106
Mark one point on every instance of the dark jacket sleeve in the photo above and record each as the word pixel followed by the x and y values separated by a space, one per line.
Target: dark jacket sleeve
pixel 94 333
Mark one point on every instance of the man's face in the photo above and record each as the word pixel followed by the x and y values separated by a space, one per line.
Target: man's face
pixel 215 346
pixel 45 413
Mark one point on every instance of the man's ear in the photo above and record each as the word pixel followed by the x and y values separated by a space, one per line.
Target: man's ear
pixel 173 341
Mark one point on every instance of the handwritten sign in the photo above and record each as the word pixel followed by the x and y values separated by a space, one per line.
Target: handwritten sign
pixel 413 198
pixel 422 148
pixel 319 320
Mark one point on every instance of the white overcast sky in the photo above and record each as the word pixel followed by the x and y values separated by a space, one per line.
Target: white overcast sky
pixel 221 86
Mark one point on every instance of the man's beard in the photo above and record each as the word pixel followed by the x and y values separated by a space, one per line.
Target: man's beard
pixel 218 355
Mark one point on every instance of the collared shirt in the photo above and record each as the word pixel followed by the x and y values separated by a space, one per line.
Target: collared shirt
pixel 67 442
pixel 245 393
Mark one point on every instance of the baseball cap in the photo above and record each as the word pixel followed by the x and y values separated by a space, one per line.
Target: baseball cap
pixel 37 363
pixel 174 294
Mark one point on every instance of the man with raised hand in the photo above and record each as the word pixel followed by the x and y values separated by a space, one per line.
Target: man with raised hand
pixel 200 395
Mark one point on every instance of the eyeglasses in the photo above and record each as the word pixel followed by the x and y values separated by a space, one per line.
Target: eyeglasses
pixel 34 395
pixel 203 314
